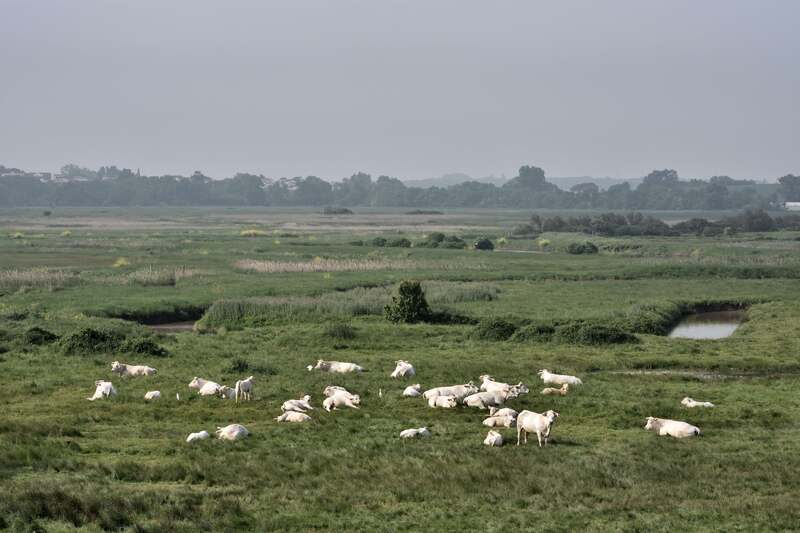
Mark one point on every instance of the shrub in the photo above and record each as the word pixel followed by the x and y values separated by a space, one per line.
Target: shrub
pixel 586 333
pixel 578 248
pixel 379 242
pixel 495 329
pixel 340 331
pixel 121 263
pixel 66 233
pixel 253 233
pixel 47 213
pixel 484 244
pixel 534 333
pixel 523 229
pixel 543 243
pixel 424 212
pixel 409 305
pixel 400 243
pixel 336 211
pixel 90 340
pixel 142 346
pixel 38 336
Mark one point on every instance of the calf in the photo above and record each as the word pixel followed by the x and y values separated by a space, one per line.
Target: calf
pixel 341 399
pixel 412 391
pixel 102 389
pixel 556 392
pixel 446 402
pixel 688 402
pixel 243 389
pixel 197 436
pixel 499 421
pixel 293 416
pixel 482 400
pixel 300 406
pixel 415 432
pixel 558 379
pixel 232 432
pixel 404 369
pixel 335 367
pixel 493 438
pixel 459 391
pixel 152 395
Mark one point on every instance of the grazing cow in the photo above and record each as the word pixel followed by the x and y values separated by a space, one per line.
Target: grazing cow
pixel 415 432
pixel 482 400
pixel 556 392
pixel 412 391
pixel 459 391
pixel 330 390
pixel 200 435
pixel 335 367
pixel 341 399
pixel 293 416
pixel 446 402
pixel 152 395
pixel 225 392
pixel 505 411
pixel 688 402
pixel 673 428
pixel 493 438
pixel 541 424
pixel 132 370
pixel 404 369
pixel 500 421
pixel 558 379
pixel 300 406
pixel 243 389
pixel 232 432
pixel 205 387
pixel 103 389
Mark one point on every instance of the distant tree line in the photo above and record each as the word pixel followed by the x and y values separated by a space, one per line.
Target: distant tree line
pixel 111 186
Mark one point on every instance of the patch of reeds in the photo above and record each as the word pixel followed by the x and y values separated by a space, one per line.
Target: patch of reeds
pixel 36 278
pixel 159 277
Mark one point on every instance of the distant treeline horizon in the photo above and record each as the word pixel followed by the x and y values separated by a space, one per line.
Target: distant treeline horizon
pixel 110 186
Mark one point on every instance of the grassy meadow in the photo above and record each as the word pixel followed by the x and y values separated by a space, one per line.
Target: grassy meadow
pixel 274 290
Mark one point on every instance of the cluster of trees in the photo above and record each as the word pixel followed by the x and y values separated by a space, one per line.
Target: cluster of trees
pixel 614 224
pixel 660 190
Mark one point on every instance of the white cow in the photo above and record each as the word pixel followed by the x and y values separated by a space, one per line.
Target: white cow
pixel 541 424
pixel 132 370
pixel 415 432
pixel 688 402
pixel 243 389
pixel 205 387
pixel 102 389
pixel 225 392
pixel 505 411
pixel 488 384
pixel 232 432
pixel 459 391
pixel 493 438
pixel 152 395
pixel 335 367
pixel 293 416
pixel 330 390
pixel 341 399
pixel 558 379
pixel 200 435
pixel 412 391
pixel 673 428
pixel 499 421
pixel 482 400
pixel 404 369
pixel 556 392
pixel 299 406
pixel 446 402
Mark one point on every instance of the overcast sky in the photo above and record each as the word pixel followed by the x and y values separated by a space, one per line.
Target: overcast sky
pixel 412 89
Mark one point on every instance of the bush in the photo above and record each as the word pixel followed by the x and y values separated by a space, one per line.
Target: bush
pixel 586 333
pixel 336 211
pixel 90 340
pixel 400 243
pixel 409 305
pixel 578 248
pixel 534 333
pixel 378 241
pixel 340 331
pixel 38 336
pixel 484 244
pixel 142 346
pixel 495 329
pixel 523 230
pixel 424 212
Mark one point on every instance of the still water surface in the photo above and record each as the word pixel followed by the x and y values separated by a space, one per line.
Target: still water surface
pixel 710 325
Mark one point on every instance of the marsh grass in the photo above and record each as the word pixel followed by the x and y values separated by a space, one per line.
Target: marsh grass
pixel 159 276
pixel 320 264
pixel 36 278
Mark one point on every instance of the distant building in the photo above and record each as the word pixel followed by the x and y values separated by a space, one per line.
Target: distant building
pixel 792 206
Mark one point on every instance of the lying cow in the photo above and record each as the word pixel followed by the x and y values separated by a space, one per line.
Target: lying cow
pixel 335 367
pixel 414 433
pixel 243 389
pixel 505 411
pixel 404 369
pixel 102 389
pixel 152 395
pixel 541 424
pixel 330 390
pixel 688 402
pixel 226 393
pixel 205 387
pixel 556 392
pixel 200 435
pixel 232 432
pixel 445 402
pixel 412 391
pixel 299 406
pixel 132 370
pixel 488 384
pixel 673 428
pixel 499 421
pixel 483 400
pixel 293 416
pixel 341 399
pixel 493 438
pixel 459 391
pixel 558 379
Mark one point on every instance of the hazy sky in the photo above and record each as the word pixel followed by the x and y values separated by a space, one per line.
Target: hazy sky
pixel 412 89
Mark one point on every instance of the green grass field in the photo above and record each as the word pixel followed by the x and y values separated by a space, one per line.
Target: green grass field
pixel 67 464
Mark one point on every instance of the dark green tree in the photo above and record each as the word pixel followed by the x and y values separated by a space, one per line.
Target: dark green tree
pixel 409 305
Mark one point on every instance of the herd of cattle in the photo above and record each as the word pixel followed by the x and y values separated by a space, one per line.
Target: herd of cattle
pixel 490 394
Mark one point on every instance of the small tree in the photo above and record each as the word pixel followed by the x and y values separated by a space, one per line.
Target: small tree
pixel 409 305
pixel 484 244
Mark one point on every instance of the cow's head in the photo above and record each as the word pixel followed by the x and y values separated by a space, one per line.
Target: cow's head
pixel 195 383
pixel 651 423
pixel 485 377
pixel 356 399
pixel 306 398
pixel 542 371
pixel 565 387
pixel 115 366
pixel 452 401
pixel 686 401
pixel 551 415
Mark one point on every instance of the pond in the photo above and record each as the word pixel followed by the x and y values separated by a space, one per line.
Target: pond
pixel 172 327
pixel 708 325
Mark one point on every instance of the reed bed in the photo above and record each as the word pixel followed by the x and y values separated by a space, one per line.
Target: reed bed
pixel 320 264
pixel 36 278
pixel 155 277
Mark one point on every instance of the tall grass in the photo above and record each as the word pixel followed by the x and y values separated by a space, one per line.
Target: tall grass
pixel 152 276
pixel 36 278
pixel 320 264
